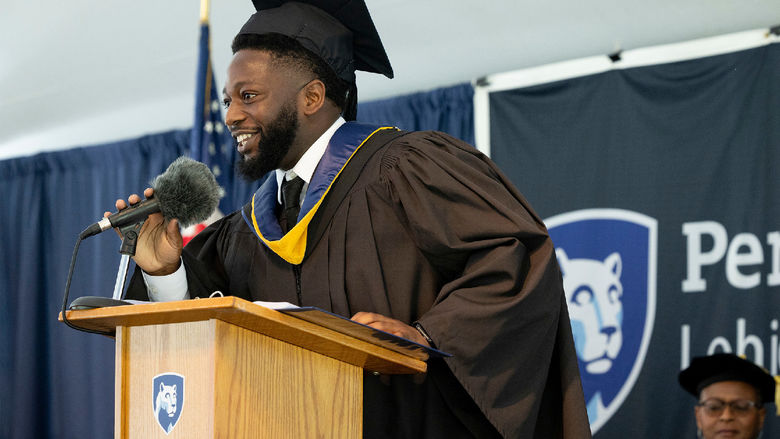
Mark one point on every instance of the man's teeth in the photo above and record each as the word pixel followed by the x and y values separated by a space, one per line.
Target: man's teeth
pixel 241 138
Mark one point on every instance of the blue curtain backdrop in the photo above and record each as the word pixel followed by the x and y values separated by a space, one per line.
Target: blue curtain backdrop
pixel 449 109
pixel 58 382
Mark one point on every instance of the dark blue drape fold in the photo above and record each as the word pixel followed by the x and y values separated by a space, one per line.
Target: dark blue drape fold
pixel 448 109
pixel 58 382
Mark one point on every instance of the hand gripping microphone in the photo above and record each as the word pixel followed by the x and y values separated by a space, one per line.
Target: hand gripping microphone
pixel 186 191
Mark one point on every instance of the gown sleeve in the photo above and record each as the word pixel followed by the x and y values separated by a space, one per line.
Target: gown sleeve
pixel 501 309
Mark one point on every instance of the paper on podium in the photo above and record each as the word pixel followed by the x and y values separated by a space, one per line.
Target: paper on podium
pixel 358 330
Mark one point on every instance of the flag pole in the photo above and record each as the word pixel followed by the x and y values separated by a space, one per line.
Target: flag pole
pixel 204 11
pixel 203 85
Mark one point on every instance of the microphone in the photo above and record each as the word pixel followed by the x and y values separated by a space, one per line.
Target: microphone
pixel 186 191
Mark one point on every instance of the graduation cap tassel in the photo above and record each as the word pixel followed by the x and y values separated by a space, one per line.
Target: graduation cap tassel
pixel 350 104
pixel 777 395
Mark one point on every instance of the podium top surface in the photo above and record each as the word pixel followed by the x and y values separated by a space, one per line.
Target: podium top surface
pixel 251 316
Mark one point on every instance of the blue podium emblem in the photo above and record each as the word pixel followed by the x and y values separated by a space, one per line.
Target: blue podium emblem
pixel 167 399
pixel 608 261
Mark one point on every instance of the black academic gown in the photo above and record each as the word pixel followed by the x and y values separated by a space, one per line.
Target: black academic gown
pixel 430 231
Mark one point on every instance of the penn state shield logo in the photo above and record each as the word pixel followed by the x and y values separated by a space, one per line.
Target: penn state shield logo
pixel 608 262
pixel 167 399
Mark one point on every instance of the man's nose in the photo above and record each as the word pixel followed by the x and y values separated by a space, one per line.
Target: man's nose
pixel 233 116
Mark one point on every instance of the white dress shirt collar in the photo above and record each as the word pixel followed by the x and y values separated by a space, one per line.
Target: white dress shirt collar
pixel 308 161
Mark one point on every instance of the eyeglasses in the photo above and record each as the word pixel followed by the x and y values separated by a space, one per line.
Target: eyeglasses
pixel 714 407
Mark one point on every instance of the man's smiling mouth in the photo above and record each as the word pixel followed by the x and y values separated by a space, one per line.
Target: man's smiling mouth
pixel 242 140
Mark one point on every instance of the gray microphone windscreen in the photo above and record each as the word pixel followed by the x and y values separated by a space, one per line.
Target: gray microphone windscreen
pixel 187 191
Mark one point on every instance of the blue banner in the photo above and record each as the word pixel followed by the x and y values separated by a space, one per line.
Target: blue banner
pixel 678 156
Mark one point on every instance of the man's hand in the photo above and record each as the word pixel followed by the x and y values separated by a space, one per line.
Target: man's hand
pixel 393 326
pixel 158 251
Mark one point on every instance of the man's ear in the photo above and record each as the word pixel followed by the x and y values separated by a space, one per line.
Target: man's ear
pixel 313 97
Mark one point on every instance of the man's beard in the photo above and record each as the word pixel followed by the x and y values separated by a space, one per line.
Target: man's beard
pixel 274 144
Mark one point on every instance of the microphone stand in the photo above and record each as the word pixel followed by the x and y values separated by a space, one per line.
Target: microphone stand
pixel 129 242
pixel 121 276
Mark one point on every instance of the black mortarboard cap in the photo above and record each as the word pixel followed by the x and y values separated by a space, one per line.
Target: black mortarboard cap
pixel 715 368
pixel 341 32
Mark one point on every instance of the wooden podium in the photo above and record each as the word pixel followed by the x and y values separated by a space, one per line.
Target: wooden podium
pixel 248 371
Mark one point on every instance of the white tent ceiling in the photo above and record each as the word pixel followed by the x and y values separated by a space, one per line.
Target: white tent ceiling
pixel 83 72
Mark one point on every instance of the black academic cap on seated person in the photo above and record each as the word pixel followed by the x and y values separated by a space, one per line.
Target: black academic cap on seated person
pixel 339 31
pixel 715 368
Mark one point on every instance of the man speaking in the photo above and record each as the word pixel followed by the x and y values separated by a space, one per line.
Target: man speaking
pixel 413 233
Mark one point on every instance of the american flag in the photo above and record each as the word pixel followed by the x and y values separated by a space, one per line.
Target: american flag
pixel 210 141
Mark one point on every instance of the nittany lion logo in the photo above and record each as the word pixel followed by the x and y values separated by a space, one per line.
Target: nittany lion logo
pixel 608 262
pixel 168 399
pixel 594 294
